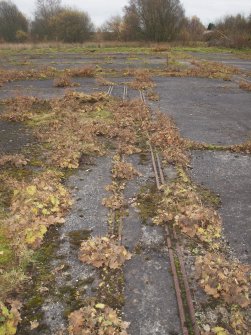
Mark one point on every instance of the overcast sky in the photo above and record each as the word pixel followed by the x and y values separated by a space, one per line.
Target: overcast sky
pixel 100 10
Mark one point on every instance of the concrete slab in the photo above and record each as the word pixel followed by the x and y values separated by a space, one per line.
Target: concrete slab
pixel 150 301
pixel 13 136
pixel 87 217
pixel 44 89
pixel 225 58
pixel 229 175
pixel 206 110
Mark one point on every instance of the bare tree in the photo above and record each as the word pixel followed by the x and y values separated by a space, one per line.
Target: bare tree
pixel 112 28
pixel 233 24
pixel 193 28
pixel 11 21
pixel 71 26
pixel 45 10
pixel 132 29
pixel 160 20
pixel 233 31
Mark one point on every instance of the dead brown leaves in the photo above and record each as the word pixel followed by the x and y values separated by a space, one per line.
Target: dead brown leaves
pixel 96 320
pixel 14 160
pixel 115 201
pixel 122 170
pixel 34 207
pixel 103 251
pixel 104 82
pixel 45 72
pixel 82 72
pixel 166 137
pixel 197 220
pixel 10 75
pixel 152 95
pixel 245 85
pixel 204 69
pixel 142 81
pixel 23 108
pixel 67 126
pixel 242 148
pixel 223 279
pixel 126 129
pixel 182 205
pixel 64 81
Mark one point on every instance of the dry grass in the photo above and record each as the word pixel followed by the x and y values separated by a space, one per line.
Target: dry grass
pixel 242 148
pixel 143 80
pixel 90 44
pixel 161 48
pixel 64 81
pixel 104 82
pixel 83 72
pixel 62 76
pixel 11 75
pixel 204 69
pixel 245 85
pixel 152 95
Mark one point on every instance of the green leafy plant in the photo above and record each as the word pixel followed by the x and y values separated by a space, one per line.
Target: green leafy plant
pixel 9 318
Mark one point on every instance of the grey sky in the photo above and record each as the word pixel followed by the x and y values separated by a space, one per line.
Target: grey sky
pixel 100 10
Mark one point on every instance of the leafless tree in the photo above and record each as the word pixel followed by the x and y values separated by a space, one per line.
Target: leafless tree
pixel 160 20
pixel 132 29
pixel 70 25
pixel 11 21
pixel 193 29
pixel 112 28
pixel 45 10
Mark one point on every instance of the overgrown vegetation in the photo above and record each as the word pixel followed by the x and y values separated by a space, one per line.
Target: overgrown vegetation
pixel 245 85
pixel 182 205
pixel 96 320
pixel 204 69
pixel 223 279
pixel 103 251
pixel 63 81
pixel 77 125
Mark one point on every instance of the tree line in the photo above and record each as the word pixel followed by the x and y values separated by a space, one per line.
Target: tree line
pixel 147 20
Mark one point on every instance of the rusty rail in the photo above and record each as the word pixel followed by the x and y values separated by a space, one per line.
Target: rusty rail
pixel 174 248
pixel 110 89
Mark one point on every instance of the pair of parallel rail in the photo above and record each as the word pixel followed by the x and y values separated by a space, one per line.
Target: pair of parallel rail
pixel 180 278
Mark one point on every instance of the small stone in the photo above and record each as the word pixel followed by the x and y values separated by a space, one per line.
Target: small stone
pixel 206 328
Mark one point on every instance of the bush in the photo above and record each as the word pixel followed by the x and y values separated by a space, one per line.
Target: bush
pixel 21 36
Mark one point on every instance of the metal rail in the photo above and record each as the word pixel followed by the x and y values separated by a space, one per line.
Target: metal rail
pixel 174 249
pixel 110 89
pixel 125 93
